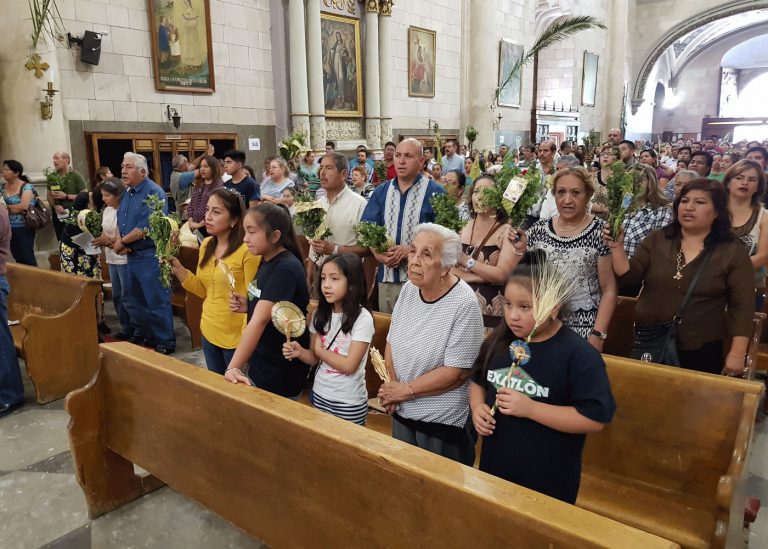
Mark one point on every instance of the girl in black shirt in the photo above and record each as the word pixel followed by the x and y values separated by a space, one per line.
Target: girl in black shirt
pixel 546 408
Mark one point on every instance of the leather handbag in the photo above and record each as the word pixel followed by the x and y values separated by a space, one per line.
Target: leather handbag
pixel 657 343
pixel 38 215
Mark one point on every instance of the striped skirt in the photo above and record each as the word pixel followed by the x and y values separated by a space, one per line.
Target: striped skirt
pixel 356 413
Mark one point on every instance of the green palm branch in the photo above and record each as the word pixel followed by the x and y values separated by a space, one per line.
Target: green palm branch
pixel 556 32
pixel 46 19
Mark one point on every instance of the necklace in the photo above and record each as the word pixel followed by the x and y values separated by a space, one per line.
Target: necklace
pixel 681 263
pixel 569 232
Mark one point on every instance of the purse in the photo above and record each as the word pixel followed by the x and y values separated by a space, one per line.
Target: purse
pixel 657 343
pixel 38 215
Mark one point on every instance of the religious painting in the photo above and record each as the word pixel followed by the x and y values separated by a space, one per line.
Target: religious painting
pixel 342 74
pixel 421 62
pixel 182 55
pixel 589 79
pixel 512 90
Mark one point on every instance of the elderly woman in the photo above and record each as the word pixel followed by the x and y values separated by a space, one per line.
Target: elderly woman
pixel 430 367
pixel 272 187
pixel 718 315
pixel 573 242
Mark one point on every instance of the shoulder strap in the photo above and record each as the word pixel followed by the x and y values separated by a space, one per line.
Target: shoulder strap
pixel 678 318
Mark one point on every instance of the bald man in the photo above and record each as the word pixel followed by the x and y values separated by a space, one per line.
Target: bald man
pixel 615 136
pixel 63 197
pixel 399 205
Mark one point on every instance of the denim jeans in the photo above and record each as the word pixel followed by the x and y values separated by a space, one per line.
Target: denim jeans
pixel 11 386
pixel 149 303
pixel 23 245
pixel 118 275
pixel 216 358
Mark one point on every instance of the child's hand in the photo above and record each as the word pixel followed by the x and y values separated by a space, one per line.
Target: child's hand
pixel 291 350
pixel 238 303
pixel 512 403
pixel 483 420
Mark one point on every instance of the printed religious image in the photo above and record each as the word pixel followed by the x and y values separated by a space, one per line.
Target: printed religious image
pixel 511 93
pixel 181 45
pixel 421 62
pixel 342 76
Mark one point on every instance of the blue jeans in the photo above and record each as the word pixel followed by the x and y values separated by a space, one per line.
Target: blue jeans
pixel 118 274
pixel 148 302
pixel 216 358
pixel 11 386
pixel 23 245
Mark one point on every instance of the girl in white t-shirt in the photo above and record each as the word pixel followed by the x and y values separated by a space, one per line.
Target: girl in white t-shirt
pixel 341 331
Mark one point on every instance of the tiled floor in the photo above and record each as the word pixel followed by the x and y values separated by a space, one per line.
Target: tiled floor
pixel 41 504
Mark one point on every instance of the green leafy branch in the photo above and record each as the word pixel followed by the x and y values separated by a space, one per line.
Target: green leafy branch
pixel 556 32
pixel 446 212
pixel 46 19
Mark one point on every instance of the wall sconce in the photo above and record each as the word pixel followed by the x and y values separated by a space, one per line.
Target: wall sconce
pixel 46 106
pixel 173 115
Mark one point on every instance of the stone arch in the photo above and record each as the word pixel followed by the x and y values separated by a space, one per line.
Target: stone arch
pixel 680 30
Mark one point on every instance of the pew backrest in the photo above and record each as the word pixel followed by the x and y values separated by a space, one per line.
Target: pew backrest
pixel 296 477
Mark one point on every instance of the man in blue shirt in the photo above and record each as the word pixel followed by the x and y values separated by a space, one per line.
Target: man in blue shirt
pixel 452 160
pixel 399 205
pixel 361 160
pixel 11 385
pixel 148 303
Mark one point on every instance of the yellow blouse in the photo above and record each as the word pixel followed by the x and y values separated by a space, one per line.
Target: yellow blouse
pixel 218 324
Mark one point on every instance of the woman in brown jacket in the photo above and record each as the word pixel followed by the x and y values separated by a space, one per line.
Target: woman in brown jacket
pixel 718 316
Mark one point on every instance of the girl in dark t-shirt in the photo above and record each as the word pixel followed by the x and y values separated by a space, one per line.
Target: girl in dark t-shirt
pixel 269 233
pixel 556 396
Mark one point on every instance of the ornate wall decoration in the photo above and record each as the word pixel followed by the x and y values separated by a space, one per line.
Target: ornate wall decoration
pixel 386 130
pixel 373 133
pixel 385 7
pixel 346 7
pixel 678 32
pixel 372 6
pixel 317 132
pixel 344 129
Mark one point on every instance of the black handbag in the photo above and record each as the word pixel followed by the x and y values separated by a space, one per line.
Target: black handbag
pixel 37 216
pixel 657 343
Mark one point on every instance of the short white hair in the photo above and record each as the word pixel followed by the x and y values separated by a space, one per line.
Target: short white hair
pixel 451 242
pixel 139 161
pixel 687 173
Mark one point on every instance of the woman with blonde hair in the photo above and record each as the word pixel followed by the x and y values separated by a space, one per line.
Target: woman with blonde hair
pixel 573 242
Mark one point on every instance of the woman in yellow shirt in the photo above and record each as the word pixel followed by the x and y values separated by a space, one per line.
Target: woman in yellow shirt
pixel 220 327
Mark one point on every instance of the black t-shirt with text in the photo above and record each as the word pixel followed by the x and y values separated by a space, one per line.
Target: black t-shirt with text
pixel 564 370
pixel 282 278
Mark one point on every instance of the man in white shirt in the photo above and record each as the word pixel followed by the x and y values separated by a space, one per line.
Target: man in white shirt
pixel 452 160
pixel 344 208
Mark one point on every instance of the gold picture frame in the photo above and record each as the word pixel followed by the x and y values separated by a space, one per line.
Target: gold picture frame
pixel 422 60
pixel 182 54
pixel 342 70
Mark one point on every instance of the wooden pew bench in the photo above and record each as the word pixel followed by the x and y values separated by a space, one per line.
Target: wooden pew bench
pixel 673 461
pixel 57 336
pixel 670 463
pixel 187 306
pixel 270 466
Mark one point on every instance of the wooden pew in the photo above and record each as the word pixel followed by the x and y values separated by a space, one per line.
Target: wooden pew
pixel 57 336
pixel 673 461
pixel 187 306
pixel 271 466
pixel 621 330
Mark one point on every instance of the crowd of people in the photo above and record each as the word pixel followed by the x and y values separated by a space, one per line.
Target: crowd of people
pixel 457 300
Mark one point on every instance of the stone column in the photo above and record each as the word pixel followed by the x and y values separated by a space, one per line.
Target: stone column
pixel 385 69
pixel 372 61
pixel 315 70
pixel 482 87
pixel 298 66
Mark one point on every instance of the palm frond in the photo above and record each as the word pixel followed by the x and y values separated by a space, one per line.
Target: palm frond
pixel 550 288
pixel 556 32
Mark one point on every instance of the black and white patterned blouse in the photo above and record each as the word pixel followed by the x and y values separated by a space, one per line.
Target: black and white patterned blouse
pixel 576 255
pixel 427 335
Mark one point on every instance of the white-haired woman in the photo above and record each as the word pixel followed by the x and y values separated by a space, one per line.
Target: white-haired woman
pixel 434 337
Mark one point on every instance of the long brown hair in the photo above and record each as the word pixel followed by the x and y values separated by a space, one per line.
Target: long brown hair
pixel 234 203
pixel 213 164
pixel 740 167
pixel 652 194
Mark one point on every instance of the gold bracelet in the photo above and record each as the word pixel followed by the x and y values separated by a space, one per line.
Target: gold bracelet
pixel 410 388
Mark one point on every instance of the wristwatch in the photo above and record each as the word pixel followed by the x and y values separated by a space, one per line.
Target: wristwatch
pixel 470 263
pixel 599 334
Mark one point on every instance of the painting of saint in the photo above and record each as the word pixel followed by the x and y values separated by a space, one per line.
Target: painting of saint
pixel 421 62
pixel 181 45
pixel 341 65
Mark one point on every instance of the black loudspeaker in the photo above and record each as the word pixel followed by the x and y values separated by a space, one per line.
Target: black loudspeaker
pixel 90 51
